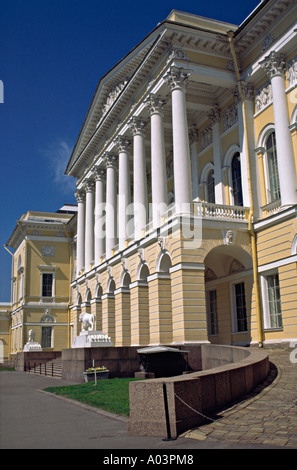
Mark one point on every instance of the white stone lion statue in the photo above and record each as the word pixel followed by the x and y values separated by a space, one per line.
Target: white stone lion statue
pixel 88 321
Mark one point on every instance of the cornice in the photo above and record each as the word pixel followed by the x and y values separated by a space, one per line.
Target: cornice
pixel 255 31
pixel 165 37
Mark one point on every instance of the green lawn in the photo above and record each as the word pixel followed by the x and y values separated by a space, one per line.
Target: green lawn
pixel 109 394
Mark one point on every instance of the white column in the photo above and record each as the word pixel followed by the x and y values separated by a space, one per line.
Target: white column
pixel 140 200
pixel 274 65
pixel 80 262
pixel 247 146
pixel 177 79
pixel 89 237
pixel 99 215
pixel 124 190
pixel 158 161
pixel 214 117
pixel 111 204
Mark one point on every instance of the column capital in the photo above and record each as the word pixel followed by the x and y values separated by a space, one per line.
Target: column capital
pixel 214 115
pixel 110 160
pixel 100 174
pixel 137 125
pixel 177 78
pixel 89 186
pixel 80 195
pixel 122 143
pixel 274 64
pixel 247 92
pixel 193 134
pixel 155 103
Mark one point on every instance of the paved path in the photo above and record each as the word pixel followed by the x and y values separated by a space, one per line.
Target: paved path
pixel 268 416
pixel 30 419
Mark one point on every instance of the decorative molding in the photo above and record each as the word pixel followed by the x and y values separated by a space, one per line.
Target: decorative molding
pixel 112 96
pixel 193 134
pixel 80 196
pixel 268 40
pixel 205 137
pixel 48 250
pixel 122 144
pixel 229 238
pixel 177 78
pixel 229 117
pixel 110 161
pixel 140 253
pixel 177 54
pixel 155 103
pixel 89 186
pixel 137 126
pixel 100 174
pixel 273 64
pixel 292 71
pixel 214 115
pixel 161 243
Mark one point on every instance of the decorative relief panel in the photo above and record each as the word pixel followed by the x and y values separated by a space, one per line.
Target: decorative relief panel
pixel 229 117
pixel 292 71
pixel 113 96
pixel 205 137
pixel 263 97
pixel 48 250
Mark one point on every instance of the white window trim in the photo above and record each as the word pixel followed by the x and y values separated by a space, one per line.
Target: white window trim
pixel 52 335
pixel 265 302
pixel 48 270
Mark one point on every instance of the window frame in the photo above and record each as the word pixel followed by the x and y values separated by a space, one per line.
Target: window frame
pixel 212 331
pixel 48 270
pixel 232 180
pixel 268 176
pixel 265 299
pixel 235 318
pixel 43 344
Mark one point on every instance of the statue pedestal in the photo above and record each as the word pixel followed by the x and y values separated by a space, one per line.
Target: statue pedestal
pixel 91 339
pixel 32 346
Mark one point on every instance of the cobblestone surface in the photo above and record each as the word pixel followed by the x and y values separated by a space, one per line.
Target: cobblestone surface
pixel 267 416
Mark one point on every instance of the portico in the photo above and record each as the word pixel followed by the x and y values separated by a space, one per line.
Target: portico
pixel 166 165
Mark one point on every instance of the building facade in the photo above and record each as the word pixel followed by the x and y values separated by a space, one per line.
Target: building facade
pixel 186 185
pixel 186 227
pixel 41 275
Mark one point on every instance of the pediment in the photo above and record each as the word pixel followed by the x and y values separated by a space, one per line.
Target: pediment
pixel 109 88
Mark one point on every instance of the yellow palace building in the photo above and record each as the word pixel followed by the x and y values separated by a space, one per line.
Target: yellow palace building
pixel 185 165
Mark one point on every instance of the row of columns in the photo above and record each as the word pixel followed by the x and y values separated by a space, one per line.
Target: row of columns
pixel 275 66
pixel 92 242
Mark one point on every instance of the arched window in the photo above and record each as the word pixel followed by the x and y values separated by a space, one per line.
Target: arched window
pixel 273 188
pixel 210 187
pixel 236 180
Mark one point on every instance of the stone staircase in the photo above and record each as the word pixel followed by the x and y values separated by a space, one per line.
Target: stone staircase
pixel 51 368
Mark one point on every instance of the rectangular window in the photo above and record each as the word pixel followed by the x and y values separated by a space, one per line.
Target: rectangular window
pixel 274 301
pixel 240 307
pixel 46 337
pixel 213 312
pixel 47 285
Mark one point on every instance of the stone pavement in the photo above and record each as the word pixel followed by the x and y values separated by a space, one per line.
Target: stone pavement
pixel 267 416
pixel 267 419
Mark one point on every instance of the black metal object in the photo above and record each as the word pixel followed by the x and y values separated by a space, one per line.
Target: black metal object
pixel 169 438
pixel 163 361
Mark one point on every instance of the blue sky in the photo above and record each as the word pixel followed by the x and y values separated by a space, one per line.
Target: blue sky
pixel 52 55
